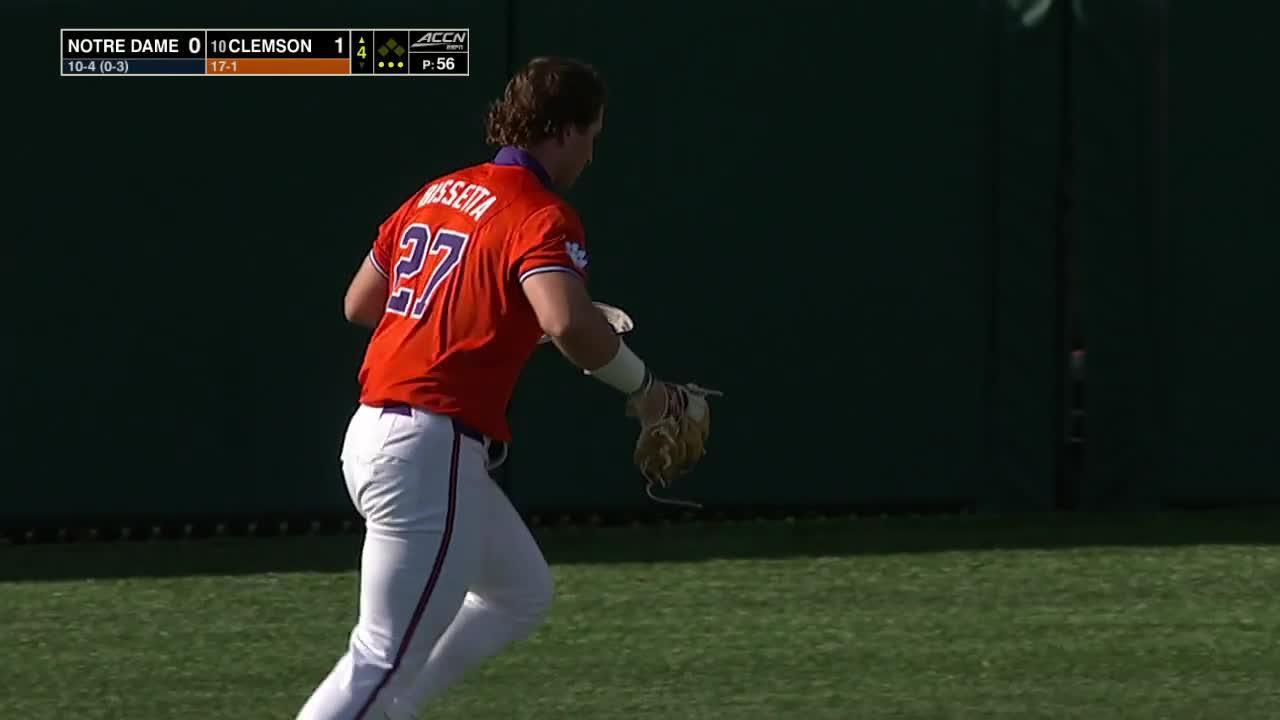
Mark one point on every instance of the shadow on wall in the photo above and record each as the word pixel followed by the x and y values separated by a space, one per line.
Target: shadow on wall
pixel 690 542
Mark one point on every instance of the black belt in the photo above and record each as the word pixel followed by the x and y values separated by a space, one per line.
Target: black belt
pixel 461 427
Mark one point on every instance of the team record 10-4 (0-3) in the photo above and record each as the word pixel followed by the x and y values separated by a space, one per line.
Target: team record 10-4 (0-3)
pixel 203 52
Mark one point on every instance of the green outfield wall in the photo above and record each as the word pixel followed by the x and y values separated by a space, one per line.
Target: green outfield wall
pixel 849 218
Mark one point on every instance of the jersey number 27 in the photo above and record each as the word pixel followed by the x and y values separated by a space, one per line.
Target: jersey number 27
pixel 447 245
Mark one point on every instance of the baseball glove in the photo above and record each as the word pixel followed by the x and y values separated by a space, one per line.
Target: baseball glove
pixel 669 446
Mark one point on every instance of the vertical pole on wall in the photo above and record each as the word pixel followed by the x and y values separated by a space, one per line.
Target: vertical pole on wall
pixel 990 19
pixel 1066 464
pixel 1157 182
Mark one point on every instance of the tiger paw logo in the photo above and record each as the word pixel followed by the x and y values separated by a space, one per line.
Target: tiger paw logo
pixel 577 254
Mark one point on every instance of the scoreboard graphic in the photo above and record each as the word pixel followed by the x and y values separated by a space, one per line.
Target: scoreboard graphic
pixel 441 52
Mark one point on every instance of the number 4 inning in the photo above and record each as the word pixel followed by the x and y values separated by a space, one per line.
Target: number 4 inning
pixel 418 241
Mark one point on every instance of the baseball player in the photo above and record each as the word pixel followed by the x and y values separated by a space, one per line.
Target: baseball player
pixel 462 281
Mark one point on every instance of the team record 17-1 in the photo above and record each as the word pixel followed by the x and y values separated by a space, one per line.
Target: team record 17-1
pixel 372 52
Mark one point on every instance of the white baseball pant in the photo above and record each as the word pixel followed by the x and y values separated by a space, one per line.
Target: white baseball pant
pixel 449 574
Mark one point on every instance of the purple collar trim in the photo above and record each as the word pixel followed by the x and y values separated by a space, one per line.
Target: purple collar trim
pixel 510 155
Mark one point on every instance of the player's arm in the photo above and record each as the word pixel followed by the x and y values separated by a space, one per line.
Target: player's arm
pixel 366 297
pixel 568 317
pixel 574 324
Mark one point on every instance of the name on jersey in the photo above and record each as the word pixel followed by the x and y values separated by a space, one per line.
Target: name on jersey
pixel 474 200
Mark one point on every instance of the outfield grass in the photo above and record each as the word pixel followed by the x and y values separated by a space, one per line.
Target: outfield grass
pixel 1151 616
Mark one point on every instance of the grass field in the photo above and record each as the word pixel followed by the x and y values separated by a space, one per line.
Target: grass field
pixel 1135 616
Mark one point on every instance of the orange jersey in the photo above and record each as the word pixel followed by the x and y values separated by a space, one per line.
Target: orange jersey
pixel 457 329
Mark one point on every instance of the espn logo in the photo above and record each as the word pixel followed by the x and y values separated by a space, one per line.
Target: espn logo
pixel 436 40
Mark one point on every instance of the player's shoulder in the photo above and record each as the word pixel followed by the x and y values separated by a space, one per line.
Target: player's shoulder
pixel 526 190
pixel 526 202
pixel 551 209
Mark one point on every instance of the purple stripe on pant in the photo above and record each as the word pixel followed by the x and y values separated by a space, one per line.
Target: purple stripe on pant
pixel 425 597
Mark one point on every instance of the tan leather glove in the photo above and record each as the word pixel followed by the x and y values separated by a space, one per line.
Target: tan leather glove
pixel 672 442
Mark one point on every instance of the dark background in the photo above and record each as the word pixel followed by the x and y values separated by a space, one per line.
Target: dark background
pixel 879 229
